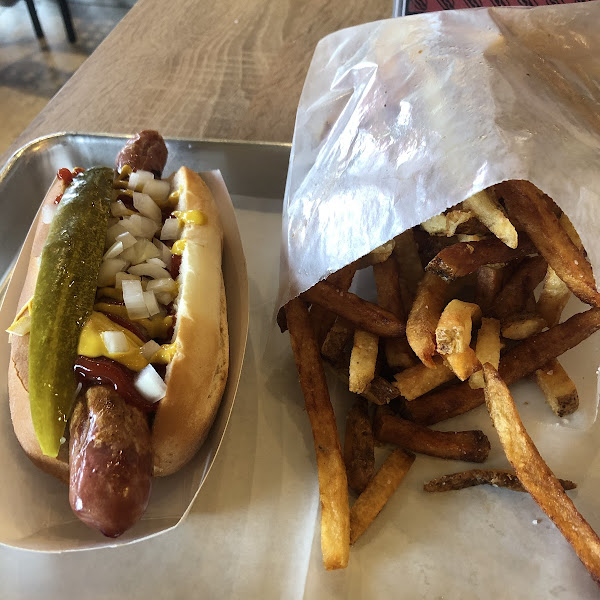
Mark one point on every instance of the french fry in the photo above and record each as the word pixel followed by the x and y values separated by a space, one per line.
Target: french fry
pixel 503 478
pixel 470 446
pixel 379 490
pixel 536 476
pixel 447 223
pixel 553 298
pixel 559 389
pixel 463 364
pixel 378 255
pixel 453 331
pixel 364 315
pixel 333 484
pixel 486 208
pixel 359 447
pixel 380 391
pixel 528 207
pixel 522 360
pixel 338 337
pixel 522 326
pixel 513 297
pixel 424 316
pixel 323 319
pixel 409 264
pixel 487 348
pixel 464 258
pixel 571 231
pixel 488 285
pixel 419 379
pixel 363 360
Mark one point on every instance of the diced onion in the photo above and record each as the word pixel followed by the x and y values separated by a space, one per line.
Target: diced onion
pixel 150 384
pixel 138 179
pixel 115 341
pixel 165 252
pixel 127 239
pixel 120 277
pixel 114 250
pixel 166 284
pixel 149 349
pixel 118 209
pixel 171 229
pixel 149 270
pixel 48 212
pixel 112 233
pixel 156 261
pixel 147 207
pixel 21 326
pixel 151 304
pixel 108 271
pixel 158 189
pixel 140 252
pixel 133 296
pixel 164 298
pixel 140 226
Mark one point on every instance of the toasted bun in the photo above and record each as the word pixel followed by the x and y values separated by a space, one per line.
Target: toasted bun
pixel 196 376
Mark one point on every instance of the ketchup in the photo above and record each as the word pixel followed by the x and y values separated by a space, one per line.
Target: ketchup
pixel 104 371
pixel 136 329
pixel 65 175
pixel 175 265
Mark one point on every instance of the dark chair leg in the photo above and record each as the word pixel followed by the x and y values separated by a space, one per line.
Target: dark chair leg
pixel 66 13
pixel 34 19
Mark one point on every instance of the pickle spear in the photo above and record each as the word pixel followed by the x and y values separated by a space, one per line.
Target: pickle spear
pixel 63 301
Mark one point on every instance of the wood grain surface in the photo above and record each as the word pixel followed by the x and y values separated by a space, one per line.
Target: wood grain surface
pixel 197 69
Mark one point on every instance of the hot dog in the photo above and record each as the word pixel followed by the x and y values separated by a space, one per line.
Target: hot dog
pixel 138 322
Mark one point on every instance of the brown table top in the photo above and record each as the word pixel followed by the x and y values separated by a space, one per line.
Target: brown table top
pixel 200 70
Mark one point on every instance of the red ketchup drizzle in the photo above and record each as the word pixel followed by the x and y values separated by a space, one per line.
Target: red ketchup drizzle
pixel 136 329
pixel 65 175
pixel 175 265
pixel 104 371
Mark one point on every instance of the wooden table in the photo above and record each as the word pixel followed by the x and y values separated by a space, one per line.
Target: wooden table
pixel 198 69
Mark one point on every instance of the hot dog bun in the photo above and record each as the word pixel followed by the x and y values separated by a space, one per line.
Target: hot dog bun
pixel 197 374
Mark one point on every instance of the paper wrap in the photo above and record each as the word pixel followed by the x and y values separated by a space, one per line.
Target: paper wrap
pixel 401 119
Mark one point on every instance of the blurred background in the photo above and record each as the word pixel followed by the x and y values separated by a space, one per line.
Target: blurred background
pixel 32 70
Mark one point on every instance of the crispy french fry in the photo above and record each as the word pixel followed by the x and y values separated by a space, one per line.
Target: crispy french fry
pixel 378 255
pixel 528 207
pixel 487 348
pixel 338 337
pixel 333 484
pixel 463 364
pixel 380 391
pixel 553 298
pixel 323 319
pixel 359 447
pixel 389 296
pixel 486 208
pixel 521 361
pixel 513 297
pixel 470 446
pixel 453 331
pixel 409 264
pixel 364 315
pixel 379 490
pixel 559 389
pixel 447 223
pixel 488 285
pixel 424 317
pixel 536 476
pixel 363 360
pixel 522 326
pixel 503 478
pixel 571 231
pixel 419 379
pixel 464 258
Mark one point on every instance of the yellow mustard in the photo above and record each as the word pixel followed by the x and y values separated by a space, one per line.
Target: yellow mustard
pixel 156 326
pixel 190 217
pixel 92 345
pixel 165 354
pixel 178 247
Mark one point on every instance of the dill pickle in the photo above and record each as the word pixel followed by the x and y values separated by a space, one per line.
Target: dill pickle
pixel 63 301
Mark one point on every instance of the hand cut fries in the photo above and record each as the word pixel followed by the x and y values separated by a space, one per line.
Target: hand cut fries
pixel 535 474
pixel 497 477
pixel 478 270
pixel 333 485
pixel 378 491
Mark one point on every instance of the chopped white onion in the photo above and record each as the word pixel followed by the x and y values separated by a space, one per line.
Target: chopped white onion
pixel 158 189
pixel 114 250
pixel 149 349
pixel 120 277
pixel 127 239
pixel 149 270
pixel 147 207
pixel 156 261
pixel 48 212
pixel 140 226
pixel 109 269
pixel 115 341
pixel 165 252
pixel 138 179
pixel 112 233
pixel 151 303
pixel 150 384
pixel 171 229
pixel 133 296
pixel 166 284
pixel 164 298
pixel 118 209
pixel 141 251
